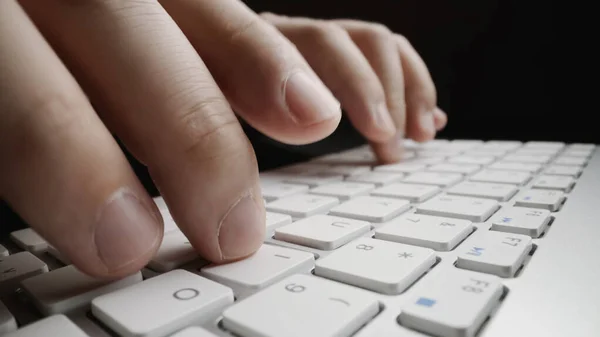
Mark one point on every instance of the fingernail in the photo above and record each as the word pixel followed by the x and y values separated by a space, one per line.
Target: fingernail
pixel 308 102
pixel 382 118
pixel 242 229
pixel 125 230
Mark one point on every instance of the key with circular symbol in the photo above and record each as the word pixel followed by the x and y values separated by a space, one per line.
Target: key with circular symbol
pixel 162 305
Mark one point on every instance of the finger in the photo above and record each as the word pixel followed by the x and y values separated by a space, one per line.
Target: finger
pixel 264 77
pixel 421 96
pixel 339 62
pixel 440 119
pixel 378 45
pixel 63 172
pixel 164 105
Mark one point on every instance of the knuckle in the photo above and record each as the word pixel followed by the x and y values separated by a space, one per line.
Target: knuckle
pixel 323 30
pixel 375 32
pixel 63 111
pixel 241 30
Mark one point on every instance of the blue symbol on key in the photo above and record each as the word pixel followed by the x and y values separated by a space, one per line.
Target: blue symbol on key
pixel 505 219
pixel 476 251
pixel 426 302
pixel 527 198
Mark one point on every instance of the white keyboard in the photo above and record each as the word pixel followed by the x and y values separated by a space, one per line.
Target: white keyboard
pixel 441 244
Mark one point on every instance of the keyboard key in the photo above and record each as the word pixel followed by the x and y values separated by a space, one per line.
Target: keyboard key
pixel 7 320
pixel 281 190
pixel 343 190
pixel 552 182
pixel 268 265
pixel 426 160
pixel 174 251
pixel 302 168
pixel 29 240
pixel 162 305
pixel 528 158
pixel 561 170
pixel 57 325
pixel 66 289
pixel 402 167
pixel 58 255
pixel 511 166
pixel 501 177
pixel 376 178
pixel 301 306
pixel 323 232
pixel 3 251
pixel 194 331
pixel 536 152
pixel 472 209
pixel 476 160
pixel 381 266
pixel 314 179
pixel 580 146
pixel 506 145
pixel 550 200
pixel 17 267
pixel 521 220
pixel 438 233
pixel 570 161
pixel 544 145
pixel 411 192
pixel 494 253
pixel 348 170
pixel 372 209
pixel 434 178
pixel 275 220
pixel 578 153
pixel 455 305
pixel 500 192
pixel 302 205
pixel 454 168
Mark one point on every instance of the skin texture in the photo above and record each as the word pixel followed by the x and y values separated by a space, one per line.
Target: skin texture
pixel 166 79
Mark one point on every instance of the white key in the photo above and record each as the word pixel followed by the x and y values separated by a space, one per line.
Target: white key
pixel 521 220
pixel 377 178
pixel 301 306
pixel 3 251
pixel 411 192
pixel 435 144
pixel 276 191
pixel 495 253
pixel 17 267
pixel 580 146
pixel 343 190
pixel 169 223
pixel 477 160
pixel 528 158
pixel 66 289
pixel 552 182
pixel 194 331
pixel 323 232
pixel 302 168
pixel 472 209
pixel 402 167
pixel 381 266
pixel 455 305
pixel 162 305
pixel 437 153
pixel 501 144
pixel 302 205
pixel 466 143
pixel 29 240
pixel 500 192
pixel 57 325
pixel 372 209
pixel 536 151
pixel 314 179
pixel 561 170
pixel 426 160
pixel 174 251
pixel 570 161
pixel 477 152
pixel 454 168
pixel 275 220
pixel 511 166
pixel 160 203
pixel 268 265
pixel 574 152
pixel 545 144
pixel 501 177
pixel 348 170
pixel 550 200
pixel 434 178
pixel 7 320
pixel 438 233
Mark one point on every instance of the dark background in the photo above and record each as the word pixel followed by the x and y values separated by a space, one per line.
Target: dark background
pixel 494 62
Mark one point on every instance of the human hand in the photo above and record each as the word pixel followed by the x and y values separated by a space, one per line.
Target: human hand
pixel 164 80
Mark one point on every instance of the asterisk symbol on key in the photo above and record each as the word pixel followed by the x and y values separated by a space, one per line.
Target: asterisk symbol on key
pixel 405 255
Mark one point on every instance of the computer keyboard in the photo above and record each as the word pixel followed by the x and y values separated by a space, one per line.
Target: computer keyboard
pixel 462 238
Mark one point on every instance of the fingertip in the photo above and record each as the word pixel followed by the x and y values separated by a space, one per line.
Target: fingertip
pixel 308 102
pixel 440 119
